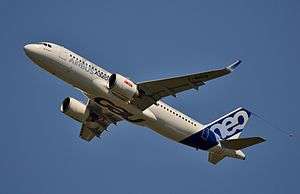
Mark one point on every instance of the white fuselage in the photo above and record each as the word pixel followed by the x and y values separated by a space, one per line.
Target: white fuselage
pixel 93 81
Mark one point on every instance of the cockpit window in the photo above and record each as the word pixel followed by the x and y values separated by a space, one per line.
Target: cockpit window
pixel 46 44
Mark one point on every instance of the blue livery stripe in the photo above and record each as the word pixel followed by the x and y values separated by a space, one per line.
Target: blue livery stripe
pixel 223 128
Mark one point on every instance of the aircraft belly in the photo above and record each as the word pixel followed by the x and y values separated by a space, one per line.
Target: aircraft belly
pixel 152 117
pixel 163 124
pixel 169 126
pixel 166 131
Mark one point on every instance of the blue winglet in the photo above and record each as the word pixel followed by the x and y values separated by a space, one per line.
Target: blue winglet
pixel 234 65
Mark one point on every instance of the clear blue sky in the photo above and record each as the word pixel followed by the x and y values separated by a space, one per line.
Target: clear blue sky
pixel 40 151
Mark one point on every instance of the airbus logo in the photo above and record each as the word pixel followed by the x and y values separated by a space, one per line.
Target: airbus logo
pixel 231 125
pixel 89 68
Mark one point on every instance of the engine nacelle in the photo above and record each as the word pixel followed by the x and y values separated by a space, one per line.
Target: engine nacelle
pixel 122 87
pixel 73 108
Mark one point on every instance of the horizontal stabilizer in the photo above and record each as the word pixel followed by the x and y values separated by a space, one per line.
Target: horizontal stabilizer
pixel 237 144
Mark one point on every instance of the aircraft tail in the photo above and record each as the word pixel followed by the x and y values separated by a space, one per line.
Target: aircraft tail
pixel 227 130
pixel 231 125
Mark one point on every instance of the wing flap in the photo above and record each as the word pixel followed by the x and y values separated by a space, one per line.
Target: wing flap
pixel 96 122
pixel 86 133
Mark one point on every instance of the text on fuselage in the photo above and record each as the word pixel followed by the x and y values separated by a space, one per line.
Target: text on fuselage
pixel 89 68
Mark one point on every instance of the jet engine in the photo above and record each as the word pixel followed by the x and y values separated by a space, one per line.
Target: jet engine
pixel 122 87
pixel 73 108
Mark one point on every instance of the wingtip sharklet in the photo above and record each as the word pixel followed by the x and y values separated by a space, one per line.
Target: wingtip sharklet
pixel 234 65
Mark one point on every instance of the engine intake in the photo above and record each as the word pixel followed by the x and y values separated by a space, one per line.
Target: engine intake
pixel 73 108
pixel 122 87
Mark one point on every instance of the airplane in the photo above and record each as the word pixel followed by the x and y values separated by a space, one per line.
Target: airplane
pixel 112 97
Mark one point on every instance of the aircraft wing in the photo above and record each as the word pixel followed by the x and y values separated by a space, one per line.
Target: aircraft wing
pixel 152 91
pixel 96 122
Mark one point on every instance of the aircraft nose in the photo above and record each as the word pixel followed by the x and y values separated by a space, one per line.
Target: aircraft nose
pixel 32 50
pixel 28 48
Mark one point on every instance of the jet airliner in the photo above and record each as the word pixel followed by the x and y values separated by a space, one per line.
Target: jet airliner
pixel 113 97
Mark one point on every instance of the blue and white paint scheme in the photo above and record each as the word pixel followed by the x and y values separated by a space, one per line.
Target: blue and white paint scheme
pixel 112 98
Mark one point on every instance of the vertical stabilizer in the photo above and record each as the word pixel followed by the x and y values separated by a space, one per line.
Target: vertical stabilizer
pixel 227 130
pixel 230 125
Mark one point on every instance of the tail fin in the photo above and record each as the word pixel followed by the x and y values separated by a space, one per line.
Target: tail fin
pixel 227 130
pixel 231 125
pixel 221 137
